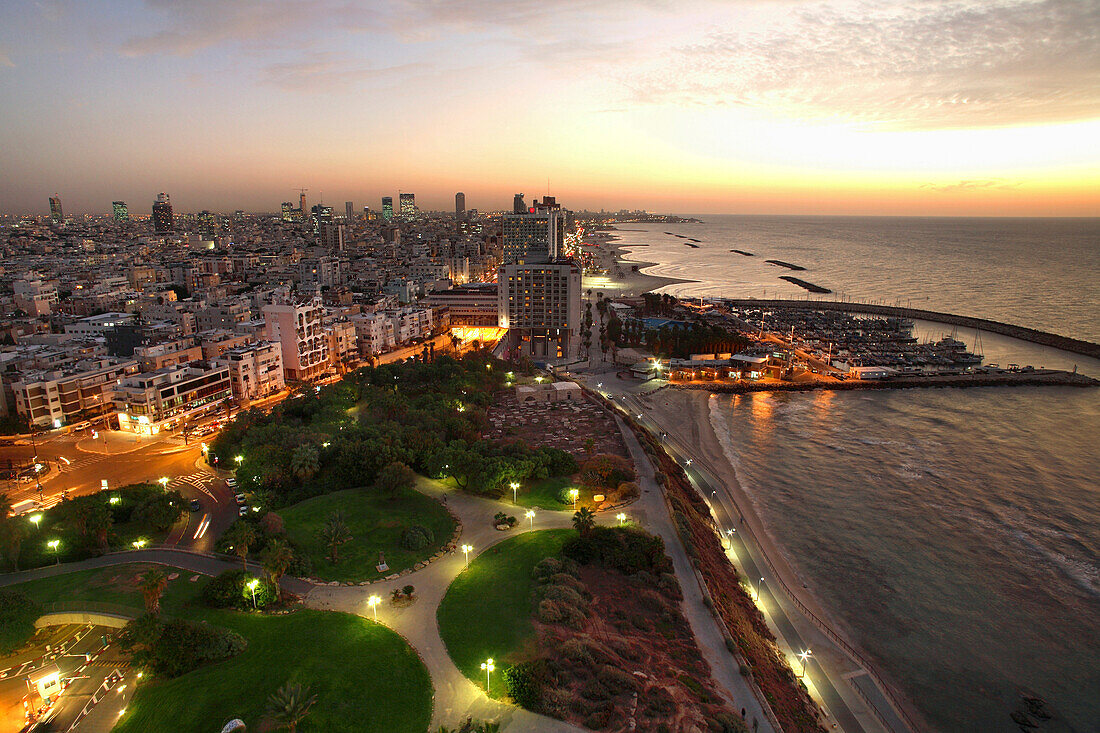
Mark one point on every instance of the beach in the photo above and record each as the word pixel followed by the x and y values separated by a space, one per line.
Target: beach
pixel 624 277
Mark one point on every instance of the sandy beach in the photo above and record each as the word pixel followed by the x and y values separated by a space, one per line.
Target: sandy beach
pixel 622 278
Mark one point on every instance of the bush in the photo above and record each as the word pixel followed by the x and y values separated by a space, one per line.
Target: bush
pixel 626 549
pixel 567 580
pixel 564 594
pixel 229 590
pixel 616 680
pixel 577 651
pixel 524 682
pixel 272 524
pixel 300 565
pixel 628 490
pixel 17 616
pixel 177 647
pixel 607 471
pixel 417 537
pixel 546 568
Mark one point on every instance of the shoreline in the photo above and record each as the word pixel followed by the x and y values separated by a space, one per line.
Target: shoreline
pixel 632 283
pixel 670 408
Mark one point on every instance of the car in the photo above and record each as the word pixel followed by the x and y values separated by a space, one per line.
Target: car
pixel 243 511
pixel 196 505
pixel 231 482
pixel 240 498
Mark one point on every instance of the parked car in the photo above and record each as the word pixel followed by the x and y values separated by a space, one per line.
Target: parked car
pixel 231 483
pixel 240 498
pixel 196 505
pixel 243 511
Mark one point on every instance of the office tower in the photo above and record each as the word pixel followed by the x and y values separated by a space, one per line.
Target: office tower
pixel 302 202
pixel 121 211
pixel 56 216
pixel 349 211
pixel 534 236
pixel 518 207
pixel 387 208
pixel 207 223
pixel 332 236
pixel 162 214
pixel 408 205
pixel 288 211
pixel 460 205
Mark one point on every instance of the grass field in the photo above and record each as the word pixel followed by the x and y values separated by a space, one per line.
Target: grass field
pixel 544 494
pixel 365 676
pixel 375 522
pixel 487 610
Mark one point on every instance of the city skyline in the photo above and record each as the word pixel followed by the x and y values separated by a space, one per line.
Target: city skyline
pixel 962 108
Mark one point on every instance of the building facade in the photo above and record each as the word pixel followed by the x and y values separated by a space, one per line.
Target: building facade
pixel 298 331
pixel 540 304
pixel 162 214
pixel 151 402
pixel 255 371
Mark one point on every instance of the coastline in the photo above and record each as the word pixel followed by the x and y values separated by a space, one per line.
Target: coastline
pixel 620 273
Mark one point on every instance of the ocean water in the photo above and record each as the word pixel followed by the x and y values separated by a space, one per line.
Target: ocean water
pixel 953 534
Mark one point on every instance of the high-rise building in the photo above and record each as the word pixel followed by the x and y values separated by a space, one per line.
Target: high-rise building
pixel 162 214
pixel 387 208
pixel 349 211
pixel 408 205
pixel 540 304
pixel 518 207
pixel 288 211
pixel 56 215
pixel 302 202
pixel 332 236
pixel 460 206
pixel 121 211
pixel 297 329
pixel 534 236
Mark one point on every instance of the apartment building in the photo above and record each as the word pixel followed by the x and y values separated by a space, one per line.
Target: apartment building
pixel 78 392
pixel 255 371
pixel 151 402
pixel 298 330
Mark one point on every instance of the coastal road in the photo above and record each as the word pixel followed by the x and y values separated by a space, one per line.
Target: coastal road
pixel 845 709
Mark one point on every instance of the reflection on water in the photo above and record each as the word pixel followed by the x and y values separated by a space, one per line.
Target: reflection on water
pixel 955 534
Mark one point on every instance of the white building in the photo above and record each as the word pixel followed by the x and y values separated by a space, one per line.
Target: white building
pixel 255 370
pixel 411 323
pixel 298 330
pixel 374 333
pixel 151 402
pixel 540 304
pixel 93 326
pixel 62 397
pixel 34 296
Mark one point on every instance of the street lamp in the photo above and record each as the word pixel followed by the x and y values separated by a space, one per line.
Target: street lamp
pixel 804 656
pixel 238 459
pixel 488 666
pixel 466 551
pixel 163 482
pixel 573 494
pixel 373 602
pixel 53 544
pixel 530 514
pixel 138 544
pixel 515 486
pixel 621 517
pixel 35 519
pixel 252 587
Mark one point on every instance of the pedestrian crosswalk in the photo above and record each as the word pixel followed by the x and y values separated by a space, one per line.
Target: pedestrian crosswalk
pixel 82 463
pixel 199 481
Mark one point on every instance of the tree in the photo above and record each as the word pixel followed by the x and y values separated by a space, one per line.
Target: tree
pixel 584 520
pixel 241 536
pixel 289 705
pixel 305 462
pixel 276 558
pixel 152 585
pixel 395 478
pixel 333 534
pixel 99 521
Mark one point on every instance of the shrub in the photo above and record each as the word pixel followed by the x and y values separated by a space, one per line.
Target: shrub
pixel 555 702
pixel 550 612
pixel 17 616
pixel 628 490
pixel 568 581
pixel 617 681
pixel 593 689
pixel 626 549
pixel 576 651
pixel 607 471
pixel 546 568
pixel 598 720
pixel 408 590
pixel 300 565
pixel 176 647
pixel 564 594
pixel 272 524
pixel 524 682
pixel 417 537
pixel 229 590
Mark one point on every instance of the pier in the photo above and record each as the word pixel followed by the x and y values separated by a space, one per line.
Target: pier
pixel 1043 338
pixel 1044 377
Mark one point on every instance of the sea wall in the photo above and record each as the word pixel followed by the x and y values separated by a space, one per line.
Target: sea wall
pixel 1009 379
pixel 1043 338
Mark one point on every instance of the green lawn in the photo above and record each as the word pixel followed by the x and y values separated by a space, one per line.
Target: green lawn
pixel 487 610
pixel 376 523
pixel 365 676
pixel 118 584
pixel 544 494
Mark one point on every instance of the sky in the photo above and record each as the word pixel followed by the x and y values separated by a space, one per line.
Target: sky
pixel 879 107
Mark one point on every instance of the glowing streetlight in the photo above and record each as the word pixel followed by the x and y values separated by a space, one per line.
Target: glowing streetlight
pixel 466 551
pixel 539 379
pixel 163 480
pixel 805 656
pixel 252 587
pixel 205 448
pixel 573 494
pixel 238 459
pixel 688 463
pixel 621 517
pixel 373 602
pixel 35 519
pixel 53 545
pixel 488 666
pixel 138 544
pixel 530 514
pixel 515 487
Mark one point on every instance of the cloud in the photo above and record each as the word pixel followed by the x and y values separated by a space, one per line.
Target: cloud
pixel 929 65
pixel 323 72
pixel 972 185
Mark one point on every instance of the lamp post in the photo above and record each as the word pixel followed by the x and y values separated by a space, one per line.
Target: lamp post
pixel 488 666
pixel 53 544
pixel 621 517
pixel 515 487
pixel 35 519
pixel 238 459
pixel 530 514
pixel 138 544
pixel 466 551
pixel 373 602
pixel 805 656
pixel 573 494
pixel 163 480
pixel 252 587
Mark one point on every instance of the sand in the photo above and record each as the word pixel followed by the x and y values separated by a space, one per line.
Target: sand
pixel 622 279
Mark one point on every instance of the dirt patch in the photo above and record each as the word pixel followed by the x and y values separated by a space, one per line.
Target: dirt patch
pixel 567 425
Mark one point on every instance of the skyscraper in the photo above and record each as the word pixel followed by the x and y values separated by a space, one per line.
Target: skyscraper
pixel 302 202
pixel 288 211
pixel 162 214
pixel 387 208
pixel 536 236
pixel 408 205
pixel 349 211
pixel 518 207
pixel 460 205
pixel 56 216
pixel 121 211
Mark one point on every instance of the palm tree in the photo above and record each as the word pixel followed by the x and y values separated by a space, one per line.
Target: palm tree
pixel 276 558
pixel 152 587
pixel 304 462
pixel 240 536
pixel 333 534
pixel 289 705
pixel 584 520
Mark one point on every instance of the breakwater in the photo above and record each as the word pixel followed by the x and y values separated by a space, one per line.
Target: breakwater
pixel 1043 338
pixel 1047 378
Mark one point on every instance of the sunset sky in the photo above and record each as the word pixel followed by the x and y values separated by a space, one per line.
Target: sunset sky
pixel 986 107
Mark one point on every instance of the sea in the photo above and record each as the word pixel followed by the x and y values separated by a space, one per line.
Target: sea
pixel 953 534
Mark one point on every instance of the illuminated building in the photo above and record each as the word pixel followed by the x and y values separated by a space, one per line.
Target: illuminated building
pixel 121 211
pixel 288 211
pixel 162 214
pixel 540 305
pixel 518 207
pixel 387 208
pixel 460 206
pixel 56 216
pixel 408 205
pixel 150 402
pixel 534 236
